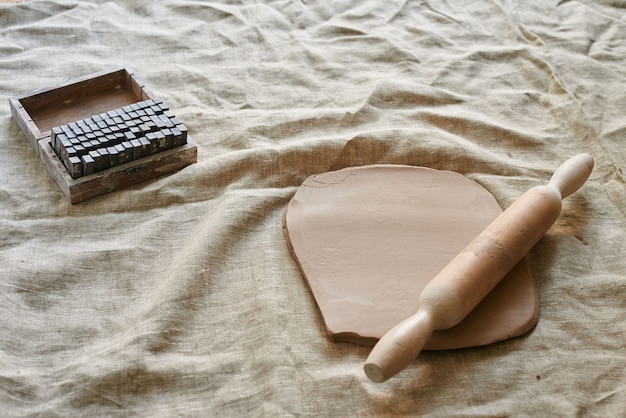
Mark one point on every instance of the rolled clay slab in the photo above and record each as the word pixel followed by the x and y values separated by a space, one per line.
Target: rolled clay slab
pixel 368 239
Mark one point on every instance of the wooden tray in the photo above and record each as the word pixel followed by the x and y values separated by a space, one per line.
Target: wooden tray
pixel 37 112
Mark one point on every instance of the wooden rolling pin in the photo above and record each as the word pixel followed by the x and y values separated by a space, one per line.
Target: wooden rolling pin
pixel 471 275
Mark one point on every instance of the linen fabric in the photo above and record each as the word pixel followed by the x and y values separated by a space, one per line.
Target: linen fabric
pixel 178 296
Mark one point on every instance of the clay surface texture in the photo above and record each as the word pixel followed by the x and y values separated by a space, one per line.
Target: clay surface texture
pixel 368 240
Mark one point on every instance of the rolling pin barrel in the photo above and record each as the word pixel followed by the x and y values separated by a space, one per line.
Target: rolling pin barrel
pixel 477 269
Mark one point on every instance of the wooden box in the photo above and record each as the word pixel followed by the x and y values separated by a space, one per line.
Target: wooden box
pixel 38 112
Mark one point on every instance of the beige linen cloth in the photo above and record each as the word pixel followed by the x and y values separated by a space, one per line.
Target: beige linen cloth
pixel 178 296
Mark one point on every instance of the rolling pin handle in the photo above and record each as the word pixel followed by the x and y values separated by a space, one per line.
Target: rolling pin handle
pixel 572 174
pixel 399 347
